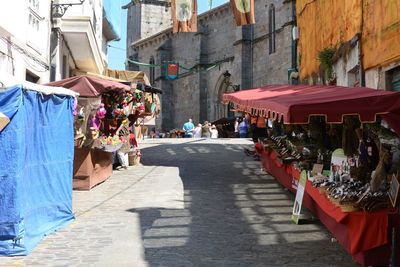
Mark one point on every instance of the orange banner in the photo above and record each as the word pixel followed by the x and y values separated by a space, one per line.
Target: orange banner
pixel 184 15
pixel 243 10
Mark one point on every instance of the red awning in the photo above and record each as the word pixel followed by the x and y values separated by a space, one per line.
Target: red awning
pixel 90 86
pixel 296 103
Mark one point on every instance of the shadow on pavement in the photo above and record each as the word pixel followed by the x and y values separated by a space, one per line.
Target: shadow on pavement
pixel 233 215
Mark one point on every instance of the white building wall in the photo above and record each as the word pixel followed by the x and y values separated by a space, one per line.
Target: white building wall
pixel 372 78
pixel 92 9
pixel 24 40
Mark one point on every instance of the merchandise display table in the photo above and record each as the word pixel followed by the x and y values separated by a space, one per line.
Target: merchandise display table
pixel 364 235
pixel 91 167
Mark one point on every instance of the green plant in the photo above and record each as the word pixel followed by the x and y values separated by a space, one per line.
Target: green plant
pixel 325 57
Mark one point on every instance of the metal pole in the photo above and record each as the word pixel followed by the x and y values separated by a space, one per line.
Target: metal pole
pixel 393 258
pixel 143 129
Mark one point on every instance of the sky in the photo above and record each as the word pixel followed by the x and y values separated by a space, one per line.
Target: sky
pixel 117 50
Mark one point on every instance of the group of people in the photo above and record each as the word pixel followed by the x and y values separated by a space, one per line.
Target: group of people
pixel 205 130
pixel 251 124
pixel 248 126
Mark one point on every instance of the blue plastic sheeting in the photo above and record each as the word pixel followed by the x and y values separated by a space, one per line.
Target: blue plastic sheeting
pixel 36 163
pixel 112 12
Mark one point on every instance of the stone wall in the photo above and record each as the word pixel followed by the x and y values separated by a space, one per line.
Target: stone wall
pixel 242 51
pixel 145 20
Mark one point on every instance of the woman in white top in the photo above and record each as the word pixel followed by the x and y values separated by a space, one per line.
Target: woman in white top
pixel 197 131
pixel 213 131
pixel 236 127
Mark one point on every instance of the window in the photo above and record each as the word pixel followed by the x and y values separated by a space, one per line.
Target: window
pixel 30 77
pixel 94 21
pixel 33 23
pixel 34 5
pixel 393 78
pixel 353 77
pixel 132 66
pixel 152 71
pixel 271 27
pixel 34 27
pixel 65 67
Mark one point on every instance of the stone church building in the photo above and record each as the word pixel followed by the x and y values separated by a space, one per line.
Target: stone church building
pixel 219 58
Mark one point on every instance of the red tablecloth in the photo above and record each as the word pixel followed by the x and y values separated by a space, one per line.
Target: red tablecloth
pixel 366 230
pixel 357 232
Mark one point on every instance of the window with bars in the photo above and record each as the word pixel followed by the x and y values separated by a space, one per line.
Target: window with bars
pixel 271 27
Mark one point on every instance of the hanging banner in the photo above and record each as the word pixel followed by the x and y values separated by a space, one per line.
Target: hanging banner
pixel 171 71
pixel 184 15
pixel 243 10
pixel 299 197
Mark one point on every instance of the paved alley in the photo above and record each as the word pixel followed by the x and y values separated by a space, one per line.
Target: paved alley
pixel 190 203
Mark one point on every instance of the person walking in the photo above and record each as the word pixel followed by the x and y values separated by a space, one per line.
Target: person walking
pixel 205 130
pixel 260 130
pixel 122 153
pixel 188 127
pixel 213 132
pixel 243 128
pixel 236 127
pixel 197 131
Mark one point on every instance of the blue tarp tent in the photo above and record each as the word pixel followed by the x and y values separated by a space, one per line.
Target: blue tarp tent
pixel 36 162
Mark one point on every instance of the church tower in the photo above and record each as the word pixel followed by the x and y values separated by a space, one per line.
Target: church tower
pixel 145 18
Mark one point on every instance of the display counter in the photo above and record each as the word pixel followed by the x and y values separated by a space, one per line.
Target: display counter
pixel 91 167
pixel 364 235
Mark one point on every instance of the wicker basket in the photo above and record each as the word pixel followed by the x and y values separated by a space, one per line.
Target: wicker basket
pixel 134 160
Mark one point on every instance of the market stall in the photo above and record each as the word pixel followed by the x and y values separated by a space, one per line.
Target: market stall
pixel 145 121
pixel 36 163
pixel 103 111
pixel 337 134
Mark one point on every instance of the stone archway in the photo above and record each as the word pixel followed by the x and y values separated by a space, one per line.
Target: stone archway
pixel 223 86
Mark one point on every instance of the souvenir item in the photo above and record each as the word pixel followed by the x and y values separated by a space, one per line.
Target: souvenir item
pixel 101 112
pixel 94 123
pixel 81 113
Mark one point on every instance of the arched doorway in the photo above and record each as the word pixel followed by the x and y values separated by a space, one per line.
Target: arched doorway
pixel 223 86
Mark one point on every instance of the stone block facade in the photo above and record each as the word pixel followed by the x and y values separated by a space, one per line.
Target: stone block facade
pixel 219 57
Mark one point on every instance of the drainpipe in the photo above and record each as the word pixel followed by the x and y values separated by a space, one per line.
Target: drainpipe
pixel 294 42
pixel 252 55
pixel 50 41
pixel 54 47
pixel 362 72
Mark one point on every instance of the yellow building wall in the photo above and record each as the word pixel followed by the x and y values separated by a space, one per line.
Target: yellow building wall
pixel 381 32
pixel 322 24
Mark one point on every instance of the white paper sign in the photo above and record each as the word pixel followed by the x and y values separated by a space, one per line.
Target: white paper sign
pixel 299 197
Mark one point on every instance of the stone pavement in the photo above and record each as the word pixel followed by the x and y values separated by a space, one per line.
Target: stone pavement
pixel 190 203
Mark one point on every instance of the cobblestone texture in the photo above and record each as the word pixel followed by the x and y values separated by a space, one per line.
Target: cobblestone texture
pixel 191 203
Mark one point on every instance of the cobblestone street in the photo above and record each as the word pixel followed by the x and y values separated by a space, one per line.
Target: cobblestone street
pixel 190 203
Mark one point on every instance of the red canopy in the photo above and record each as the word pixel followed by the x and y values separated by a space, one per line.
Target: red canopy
pixel 90 86
pixel 296 103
